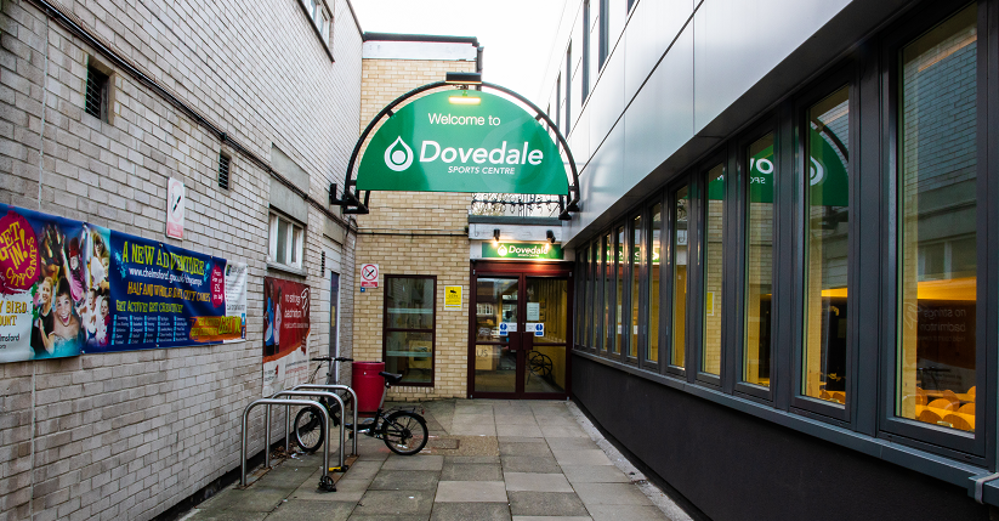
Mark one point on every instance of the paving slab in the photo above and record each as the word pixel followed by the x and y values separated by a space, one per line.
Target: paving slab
pixel 546 504
pixel 395 502
pixel 312 510
pixel 571 443
pixel 199 514
pixel 471 459
pixel 410 517
pixel 526 431
pixel 418 462
pixel 473 429
pixel 544 465
pixel 581 457
pixel 463 418
pixel 530 481
pixel 470 511
pixel 538 449
pixel 471 492
pixel 254 499
pixel 472 472
pixel 405 480
pixel 626 513
pixel 552 518
pixel 347 490
pixel 516 418
pixel 594 474
pixel 610 494
pixel 562 431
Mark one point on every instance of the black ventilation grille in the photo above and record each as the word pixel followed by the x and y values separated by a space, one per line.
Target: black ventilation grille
pixel 97 94
pixel 224 171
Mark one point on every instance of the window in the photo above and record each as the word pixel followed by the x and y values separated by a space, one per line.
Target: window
pixel 558 102
pixel 608 290
pixel 322 20
pixel 585 63
pixel 936 361
pixel 287 242
pixel 714 238
pixel 655 238
pixel 409 333
pixel 619 263
pixel 97 98
pixel 681 252
pixel 636 259
pixel 224 162
pixel 759 262
pixel 603 40
pixel 826 242
pixel 568 88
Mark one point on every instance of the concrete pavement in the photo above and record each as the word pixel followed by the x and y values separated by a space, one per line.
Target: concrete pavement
pixel 486 460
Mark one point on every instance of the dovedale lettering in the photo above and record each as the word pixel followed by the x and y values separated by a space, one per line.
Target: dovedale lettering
pixel 430 151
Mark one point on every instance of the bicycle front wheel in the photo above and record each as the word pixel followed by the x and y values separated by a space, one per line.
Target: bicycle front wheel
pixel 309 429
pixel 405 432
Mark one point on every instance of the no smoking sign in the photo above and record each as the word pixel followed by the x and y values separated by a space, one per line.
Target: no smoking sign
pixel 369 276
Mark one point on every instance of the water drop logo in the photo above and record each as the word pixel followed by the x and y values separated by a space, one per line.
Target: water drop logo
pixel 818 173
pixel 502 250
pixel 398 156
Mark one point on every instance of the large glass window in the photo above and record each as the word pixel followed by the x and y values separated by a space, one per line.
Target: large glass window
pixel 713 265
pixel 409 328
pixel 681 251
pixel 759 261
pixel 827 239
pixel 608 246
pixel 597 307
pixel 938 243
pixel 619 263
pixel 653 263
pixel 637 261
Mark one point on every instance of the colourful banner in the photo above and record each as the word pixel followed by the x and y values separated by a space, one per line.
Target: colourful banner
pixel 286 333
pixel 69 287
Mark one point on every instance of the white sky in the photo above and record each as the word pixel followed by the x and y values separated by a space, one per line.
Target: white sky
pixel 517 34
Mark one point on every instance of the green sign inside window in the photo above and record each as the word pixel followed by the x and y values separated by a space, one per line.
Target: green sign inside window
pixel 463 141
pixel 521 250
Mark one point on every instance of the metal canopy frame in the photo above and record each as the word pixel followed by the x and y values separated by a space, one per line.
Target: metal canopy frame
pixel 351 202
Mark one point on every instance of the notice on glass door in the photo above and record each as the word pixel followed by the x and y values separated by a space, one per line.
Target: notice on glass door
pixel 533 311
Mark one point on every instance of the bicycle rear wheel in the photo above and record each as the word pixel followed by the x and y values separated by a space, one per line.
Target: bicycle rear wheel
pixel 405 432
pixel 309 429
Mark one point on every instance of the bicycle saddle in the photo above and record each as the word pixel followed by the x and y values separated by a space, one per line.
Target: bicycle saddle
pixel 392 378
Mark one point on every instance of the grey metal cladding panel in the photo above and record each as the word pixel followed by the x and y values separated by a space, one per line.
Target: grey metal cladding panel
pixel 608 99
pixel 599 184
pixel 661 118
pixel 652 28
pixel 737 42
pixel 579 140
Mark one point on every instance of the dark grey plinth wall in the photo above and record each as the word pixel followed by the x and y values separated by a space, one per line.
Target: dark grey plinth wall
pixel 735 467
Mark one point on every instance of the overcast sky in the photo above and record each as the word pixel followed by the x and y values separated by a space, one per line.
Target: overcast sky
pixel 517 34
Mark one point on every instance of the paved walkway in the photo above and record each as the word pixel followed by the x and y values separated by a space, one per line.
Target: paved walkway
pixel 486 460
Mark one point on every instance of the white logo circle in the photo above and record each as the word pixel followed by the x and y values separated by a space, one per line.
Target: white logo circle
pixel 818 173
pixel 502 250
pixel 398 155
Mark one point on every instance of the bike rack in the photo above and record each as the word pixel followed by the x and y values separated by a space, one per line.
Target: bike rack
pixel 287 414
pixel 267 434
pixel 330 387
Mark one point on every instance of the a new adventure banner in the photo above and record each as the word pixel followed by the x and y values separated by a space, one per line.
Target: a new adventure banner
pixel 69 287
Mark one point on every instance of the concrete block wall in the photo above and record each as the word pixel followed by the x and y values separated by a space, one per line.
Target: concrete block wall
pixel 129 435
pixel 414 233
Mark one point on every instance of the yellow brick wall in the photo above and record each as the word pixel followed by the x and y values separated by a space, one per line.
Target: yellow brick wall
pixel 414 233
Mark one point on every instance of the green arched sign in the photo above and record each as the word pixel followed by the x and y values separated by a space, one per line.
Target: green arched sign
pixel 446 142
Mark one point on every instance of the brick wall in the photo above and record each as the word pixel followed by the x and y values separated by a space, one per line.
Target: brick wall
pixel 411 233
pixel 128 435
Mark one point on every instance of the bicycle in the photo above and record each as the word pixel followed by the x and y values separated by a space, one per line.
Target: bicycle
pixel 403 430
pixel 308 434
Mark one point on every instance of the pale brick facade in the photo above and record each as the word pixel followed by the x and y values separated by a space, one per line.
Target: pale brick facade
pixel 409 233
pixel 129 435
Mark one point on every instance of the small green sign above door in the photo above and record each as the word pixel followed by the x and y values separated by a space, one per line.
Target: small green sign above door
pixel 521 250
pixel 463 141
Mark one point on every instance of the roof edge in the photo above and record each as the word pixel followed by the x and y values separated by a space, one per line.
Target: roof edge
pixel 398 37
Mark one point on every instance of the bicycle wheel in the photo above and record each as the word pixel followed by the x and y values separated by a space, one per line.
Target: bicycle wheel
pixel 309 429
pixel 404 432
pixel 541 365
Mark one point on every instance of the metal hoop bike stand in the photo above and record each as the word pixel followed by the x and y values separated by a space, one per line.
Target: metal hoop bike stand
pixel 267 436
pixel 287 414
pixel 328 387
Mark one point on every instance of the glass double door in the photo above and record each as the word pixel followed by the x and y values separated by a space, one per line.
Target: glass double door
pixel 520 336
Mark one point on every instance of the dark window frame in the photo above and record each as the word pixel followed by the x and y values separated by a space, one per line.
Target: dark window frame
pixel 670 211
pixel 568 89
pixel 701 174
pixel 603 34
pixel 941 440
pixel 645 361
pixel 586 52
pixel 433 329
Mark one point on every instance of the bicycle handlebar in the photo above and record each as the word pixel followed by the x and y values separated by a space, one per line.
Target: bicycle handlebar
pixel 328 359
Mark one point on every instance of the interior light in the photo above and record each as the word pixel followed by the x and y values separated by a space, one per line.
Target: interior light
pixel 464 99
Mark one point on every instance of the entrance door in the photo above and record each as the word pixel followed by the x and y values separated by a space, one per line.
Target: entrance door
pixel 520 331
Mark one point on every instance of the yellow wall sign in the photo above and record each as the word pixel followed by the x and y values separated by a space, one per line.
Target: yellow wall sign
pixel 452 297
